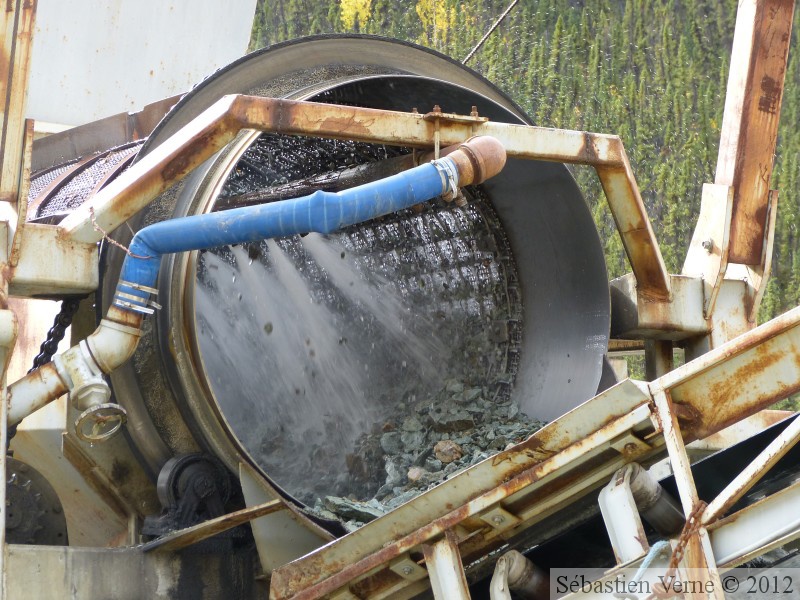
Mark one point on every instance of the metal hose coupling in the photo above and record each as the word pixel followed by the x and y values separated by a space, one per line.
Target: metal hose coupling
pixel 474 161
pixel 478 159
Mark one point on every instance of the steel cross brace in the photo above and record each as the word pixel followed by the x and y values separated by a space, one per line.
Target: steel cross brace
pixel 558 465
pixel 217 125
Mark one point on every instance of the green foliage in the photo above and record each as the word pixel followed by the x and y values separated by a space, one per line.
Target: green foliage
pixel 652 71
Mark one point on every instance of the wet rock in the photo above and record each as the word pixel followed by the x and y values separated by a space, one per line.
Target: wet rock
pixel 498 443
pixel 415 474
pixel 427 440
pixel 451 468
pixel 454 386
pixel 433 464
pixel 411 424
pixel 402 499
pixel 449 420
pixel 352 509
pixel 472 394
pixel 395 472
pixel 391 442
pixel 412 440
pixel 447 451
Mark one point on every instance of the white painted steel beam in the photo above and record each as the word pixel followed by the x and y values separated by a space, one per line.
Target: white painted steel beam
pixel 445 570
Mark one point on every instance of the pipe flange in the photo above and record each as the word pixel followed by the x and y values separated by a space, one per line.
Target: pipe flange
pixel 105 421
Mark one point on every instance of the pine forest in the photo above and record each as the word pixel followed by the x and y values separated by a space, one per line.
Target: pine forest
pixel 653 72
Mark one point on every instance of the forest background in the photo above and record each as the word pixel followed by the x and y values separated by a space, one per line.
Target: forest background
pixel 652 71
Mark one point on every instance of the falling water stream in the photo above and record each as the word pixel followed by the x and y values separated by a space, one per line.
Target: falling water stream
pixel 317 348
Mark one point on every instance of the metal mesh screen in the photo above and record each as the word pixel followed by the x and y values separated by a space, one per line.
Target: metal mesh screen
pixel 80 182
pixel 324 341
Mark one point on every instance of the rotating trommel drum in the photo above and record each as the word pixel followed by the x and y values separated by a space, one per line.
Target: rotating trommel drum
pixel 297 356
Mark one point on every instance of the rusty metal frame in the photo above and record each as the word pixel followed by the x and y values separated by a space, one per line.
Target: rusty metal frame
pixel 732 538
pixel 750 122
pixel 16 138
pixel 445 569
pixel 751 474
pixel 734 234
pixel 558 464
pixel 217 126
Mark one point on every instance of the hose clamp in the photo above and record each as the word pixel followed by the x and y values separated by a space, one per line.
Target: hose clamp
pixel 134 303
pixel 449 173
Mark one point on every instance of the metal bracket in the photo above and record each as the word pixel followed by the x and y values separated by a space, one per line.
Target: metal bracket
pixel 408 569
pixel 623 523
pixel 500 519
pixel 707 257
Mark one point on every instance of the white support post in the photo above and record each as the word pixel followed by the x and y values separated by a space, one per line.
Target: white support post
pixel 698 553
pixel 445 569
pixel 621 517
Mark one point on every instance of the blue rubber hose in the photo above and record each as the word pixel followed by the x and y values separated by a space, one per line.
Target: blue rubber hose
pixel 321 212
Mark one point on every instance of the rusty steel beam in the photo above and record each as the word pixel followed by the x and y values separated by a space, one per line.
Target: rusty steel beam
pixel 750 122
pixel 558 464
pixel 15 54
pixel 197 533
pixel 753 473
pixel 216 126
pixel 445 569
pixel 737 379
pixel 560 447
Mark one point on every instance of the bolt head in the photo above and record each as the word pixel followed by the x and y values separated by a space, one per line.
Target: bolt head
pixel 708 245
pixel 498 519
pixel 407 570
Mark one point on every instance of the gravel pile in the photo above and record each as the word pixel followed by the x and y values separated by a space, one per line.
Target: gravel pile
pixel 422 444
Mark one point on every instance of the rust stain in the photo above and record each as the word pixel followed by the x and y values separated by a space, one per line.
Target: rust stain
pixel 771 91
pixel 719 412
pixel 186 160
pixel 345 124
pixel 686 412
pixel 295 580
pixel 588 149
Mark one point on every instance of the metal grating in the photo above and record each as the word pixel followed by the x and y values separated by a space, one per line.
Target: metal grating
pixel 79 183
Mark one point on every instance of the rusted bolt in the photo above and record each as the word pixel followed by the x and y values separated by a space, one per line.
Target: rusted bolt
pixel 473 112
pixel 437 108
pixel 630 447
pixel 415 111
pixel 498 519
pixel 708 245
pixel 407 570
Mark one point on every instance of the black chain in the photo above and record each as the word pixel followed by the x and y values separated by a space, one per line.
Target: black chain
pixel 63 320
pixel 50 345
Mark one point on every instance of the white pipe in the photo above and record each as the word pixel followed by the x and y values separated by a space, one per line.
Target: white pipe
pixel 111 344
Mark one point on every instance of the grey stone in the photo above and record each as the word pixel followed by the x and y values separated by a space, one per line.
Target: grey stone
pixel 433 465
pixel 412 440
pixel 352 509
pixel 402 498
pixel 499 443
pixel 451 420
pixel 472 394
pixel 395 472
pixel 451 468
pixel 454 386
pixel 411 424
pixel 391 442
